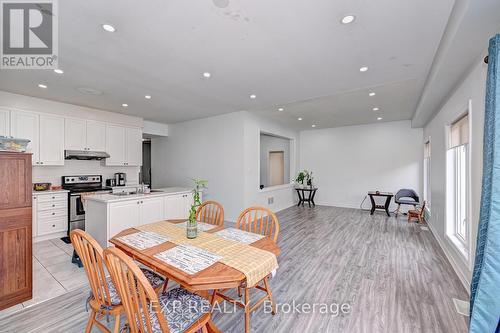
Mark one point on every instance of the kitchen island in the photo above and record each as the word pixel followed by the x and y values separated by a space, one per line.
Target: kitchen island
pixel 108 214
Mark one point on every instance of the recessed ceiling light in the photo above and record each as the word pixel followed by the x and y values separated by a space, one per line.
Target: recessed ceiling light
pixel 206 74
pixel 253 96
pixel 124 105
pixel 43 86
pixel 58 71
pixel 379 118
pixel 348 19
pixel 371 94
pixel 147 97
pixel 375 109
pixel 363 69
pixel 281 109
pixel 108 28
pixel 299 118
pixel 313 125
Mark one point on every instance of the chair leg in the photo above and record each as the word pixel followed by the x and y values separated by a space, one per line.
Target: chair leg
pixel 165 285
pixel 117 324
pixel 204 329
pixel 90 323
pixel 270 295
pixel 247 311
pixel 239 292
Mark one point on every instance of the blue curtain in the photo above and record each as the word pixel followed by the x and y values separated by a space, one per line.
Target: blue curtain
pixel 485 285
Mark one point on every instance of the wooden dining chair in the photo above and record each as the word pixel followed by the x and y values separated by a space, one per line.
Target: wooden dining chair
pixel 104 299
pixel 417 214
pixel 211 212
pixel 260 220
pixel 175 311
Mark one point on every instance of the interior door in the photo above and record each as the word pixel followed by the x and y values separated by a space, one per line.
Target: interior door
pixel 134 146
pixel 115 145
pixel 25 125
pixel 96 135
pixel 51 140
pixel 276 168
pixel 75 134
pixel 4 122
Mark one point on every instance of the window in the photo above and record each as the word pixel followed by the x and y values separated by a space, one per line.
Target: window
pixel 427 174
pixel 457 183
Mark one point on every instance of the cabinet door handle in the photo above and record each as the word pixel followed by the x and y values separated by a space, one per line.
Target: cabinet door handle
pixel 53 213
pixel 41 162
pixel 138 202
pixel 53 226
pixel 53 197
pixel 53 205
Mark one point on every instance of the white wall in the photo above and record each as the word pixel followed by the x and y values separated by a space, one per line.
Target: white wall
pixel 210 148
pixel 224 150
pixel 349 161
pixel 283 196
pixel 269 143
pixel 472 89
pixel 53 174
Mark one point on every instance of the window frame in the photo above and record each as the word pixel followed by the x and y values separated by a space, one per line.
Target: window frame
pixel 461 244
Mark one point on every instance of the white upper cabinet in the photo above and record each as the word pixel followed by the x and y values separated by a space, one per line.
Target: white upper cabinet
pixel 51 140
pixel 25 125
pixel 83 134
pixel 134 146
pixel 75 134
pixel 96 135
pixel 124 145
pixel 4 122
pixel 115 145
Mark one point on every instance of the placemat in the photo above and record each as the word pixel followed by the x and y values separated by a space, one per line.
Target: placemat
pixel 144 239
pixel 238 235
pixel 190 259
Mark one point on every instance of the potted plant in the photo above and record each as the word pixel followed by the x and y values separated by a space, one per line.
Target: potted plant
pixel 192 224
pixel 300 178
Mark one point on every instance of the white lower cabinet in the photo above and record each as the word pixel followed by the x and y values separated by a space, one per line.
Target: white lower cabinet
pixel 104 220
pixel 50 215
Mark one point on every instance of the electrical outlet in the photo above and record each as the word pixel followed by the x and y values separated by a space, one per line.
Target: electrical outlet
pixel 270 200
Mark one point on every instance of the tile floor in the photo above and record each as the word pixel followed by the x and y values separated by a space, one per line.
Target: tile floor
pixel 53 273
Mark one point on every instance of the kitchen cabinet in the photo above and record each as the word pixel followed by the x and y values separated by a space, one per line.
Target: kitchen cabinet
pixel 50 215
pixel 108 215
pixel 51 140
pixel 83 134
pixel 15 229
pixel 4 122
pixel 46 135
pixel 124 145
pixel 25 125
pixel 123 215
pixel 178 206
pixel 151 210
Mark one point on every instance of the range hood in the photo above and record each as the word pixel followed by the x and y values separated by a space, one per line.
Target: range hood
pixel 85 155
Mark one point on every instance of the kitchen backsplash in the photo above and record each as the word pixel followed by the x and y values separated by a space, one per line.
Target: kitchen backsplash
pixel 53 174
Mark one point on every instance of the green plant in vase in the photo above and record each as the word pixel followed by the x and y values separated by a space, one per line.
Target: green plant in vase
pixel 192 224
pixel 300 178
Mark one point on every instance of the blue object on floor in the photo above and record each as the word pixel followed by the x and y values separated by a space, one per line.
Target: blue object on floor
pixel 485 284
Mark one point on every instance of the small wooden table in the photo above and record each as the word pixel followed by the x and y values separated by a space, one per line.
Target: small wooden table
pixel 388 197
pixel 217 276
pixel 301 192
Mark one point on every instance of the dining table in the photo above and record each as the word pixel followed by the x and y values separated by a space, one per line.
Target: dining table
pixel 215 277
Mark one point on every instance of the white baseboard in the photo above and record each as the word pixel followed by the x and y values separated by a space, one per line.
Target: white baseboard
pixel 461 276
pixel 50 236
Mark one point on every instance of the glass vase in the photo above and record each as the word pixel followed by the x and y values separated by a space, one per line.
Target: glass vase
pixel 192 228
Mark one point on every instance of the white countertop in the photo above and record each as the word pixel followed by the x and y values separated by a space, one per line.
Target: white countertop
pixel 50 191
pixel 108 198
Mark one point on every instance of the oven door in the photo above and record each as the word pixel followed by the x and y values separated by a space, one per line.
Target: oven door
pixel 76 210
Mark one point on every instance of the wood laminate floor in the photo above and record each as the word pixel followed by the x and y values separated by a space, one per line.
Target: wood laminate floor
pixel 390 275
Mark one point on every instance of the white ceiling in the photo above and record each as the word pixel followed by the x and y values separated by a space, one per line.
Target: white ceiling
pixel 290 53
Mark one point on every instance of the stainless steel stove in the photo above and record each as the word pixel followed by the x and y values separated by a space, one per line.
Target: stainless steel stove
pixel 78 187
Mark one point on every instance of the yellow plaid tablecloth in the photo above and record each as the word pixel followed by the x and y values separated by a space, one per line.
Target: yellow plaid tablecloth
pixel 254 263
